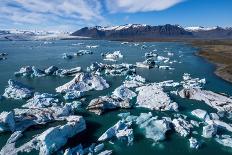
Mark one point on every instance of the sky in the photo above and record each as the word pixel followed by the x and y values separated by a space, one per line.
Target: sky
pixel 70 15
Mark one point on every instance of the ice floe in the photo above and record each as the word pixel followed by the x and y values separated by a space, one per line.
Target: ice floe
pixel 17 90
pixel 41 101
pixel 133 81
pixel 209 131
pixel 84 82
pixel 217 101
pixel 112 56
pixel 153 128
pixel 104 103
pixel 182 126
pixel 153 97
pixel 32 71
pixel 50 140
pixel 225 140
pixel 121 130
pixel 194 143
pixel 124 93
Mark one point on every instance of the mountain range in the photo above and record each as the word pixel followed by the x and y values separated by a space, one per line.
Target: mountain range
pixel 142 31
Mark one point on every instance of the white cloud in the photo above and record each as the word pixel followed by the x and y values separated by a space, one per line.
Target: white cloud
pixel 132 6
pixel 52 11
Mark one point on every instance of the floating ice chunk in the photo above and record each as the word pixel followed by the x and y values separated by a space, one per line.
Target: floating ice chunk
pixel 182 126
pixel 51 70
pixel 217 101
pixel 194 143
pixel 121 130
pixel 194 123
pixel 153 97
pixel 209 131
pixel 75 105
pixel 68 72
pixel 15 136
pixel 113 56
pixel 99 147
pixel 17 90
pixel 169 83
pixel 106 152
pixel 83 52
pixel 67 56
pixel 24 71
pixel 103 103
pixel 133 81
pixel 50 140
pixel 225 140
pixel 214 116
pixel 150 54
pixel 222 125
pixel 37 72
pixel 166 67
pixel 7 122
pixel 143 117
pixel 202 114
pixel 41 101
pixel 155 129
pixel 189 82
pixel 76 150
pixel 124 93
pixel 92 46
pixel 84 82
pixel 71 95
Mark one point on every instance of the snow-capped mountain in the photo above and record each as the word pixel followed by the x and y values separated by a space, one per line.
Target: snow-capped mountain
pixel 138 31
pixel 120 27
pixel 133 30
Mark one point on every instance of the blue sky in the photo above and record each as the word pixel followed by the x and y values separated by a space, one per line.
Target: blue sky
pixel 69 15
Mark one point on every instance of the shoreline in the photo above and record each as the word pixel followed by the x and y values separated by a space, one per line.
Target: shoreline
pixel 219 53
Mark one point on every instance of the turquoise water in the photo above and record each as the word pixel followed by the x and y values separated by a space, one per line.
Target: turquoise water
pixel 44 55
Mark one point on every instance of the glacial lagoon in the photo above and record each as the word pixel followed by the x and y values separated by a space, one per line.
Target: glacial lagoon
pixel 44 54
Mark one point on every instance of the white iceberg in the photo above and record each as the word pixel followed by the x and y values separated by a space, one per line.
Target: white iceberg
pixel 17 90
pixel 153 97
pixel 104 103
pixel 84 82
pixel 41 101
pixel 120 130
pixel 124 93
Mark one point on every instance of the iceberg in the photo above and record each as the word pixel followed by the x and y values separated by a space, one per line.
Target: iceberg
pixel 209 131
pixel 103 103
pixel 201 114
pixel 120 130
pixel 113 56
pixel 83 52
pixel 68 72
pixel 124 93
pixel 154 129
pixel 217 101
pixel 72 95
pixel 17 90
pixel 51 70
pixel 153 97
pixel 194 143
pixel 67 56
pixel 133 81
pixel 84 82
pixel 50 140
pixel 225 140
pixel 182 126
pixel 42 101
pixel 7 122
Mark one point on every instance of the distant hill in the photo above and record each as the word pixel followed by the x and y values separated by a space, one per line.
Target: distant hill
pixel 152 32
